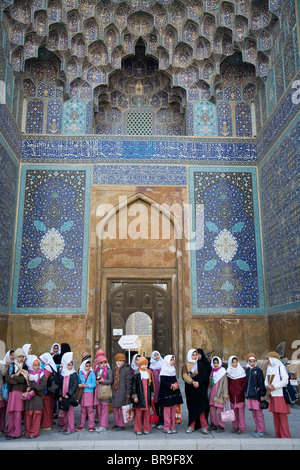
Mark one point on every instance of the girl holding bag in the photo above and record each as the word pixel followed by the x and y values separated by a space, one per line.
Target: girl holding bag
pixel 121 390
pixel 103 393
pixel 67 392
pixel 169 393
pixel 277 378
pixel 155 368
pixel 218 394
pixel 236 388
pixel 142 394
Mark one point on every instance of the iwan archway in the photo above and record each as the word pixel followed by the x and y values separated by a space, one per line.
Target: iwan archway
pixel 139 267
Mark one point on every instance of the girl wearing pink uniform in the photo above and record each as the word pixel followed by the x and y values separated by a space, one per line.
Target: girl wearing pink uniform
pixel 67 397
pixel 276 379
pixel 142 394
pixel 104 377
pixel 87 381
pixel 236 388
pixel 16 377
pixel 218 394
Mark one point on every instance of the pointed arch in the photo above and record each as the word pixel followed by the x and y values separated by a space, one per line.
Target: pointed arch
pixel 128 201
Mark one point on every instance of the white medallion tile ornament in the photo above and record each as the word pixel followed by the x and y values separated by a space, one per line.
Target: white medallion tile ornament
pixel 225 245
pixel 52 244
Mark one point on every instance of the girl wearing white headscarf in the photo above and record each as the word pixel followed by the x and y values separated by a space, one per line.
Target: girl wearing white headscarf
pixel 236 388
pixel 195 393
pixel 218 394
pixel 55 352
pixel 67 398
pixel 134 363
pixel 169 394
pixel 27 348
pixel 8 359
pixel 16 377
pixel 35 391
pixel 67 364
pixel 49 364
pixel 155 360
pixel 87 381
pixel 276 379
pixel 33 376
pixel 255 393
pixel 155 367
pixel 47 416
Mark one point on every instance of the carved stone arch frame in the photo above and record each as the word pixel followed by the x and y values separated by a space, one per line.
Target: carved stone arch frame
pixel 175 277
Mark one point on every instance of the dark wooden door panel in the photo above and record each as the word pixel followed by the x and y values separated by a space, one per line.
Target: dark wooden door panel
pixel 140 297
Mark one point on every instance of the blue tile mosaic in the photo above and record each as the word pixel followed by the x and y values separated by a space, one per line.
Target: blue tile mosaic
pixel 52 240
pixel 205 118
pixel 227 270
pixel 140 175
pixel 280 118
pixel 280 197
pixel 10 131
pixel 9 172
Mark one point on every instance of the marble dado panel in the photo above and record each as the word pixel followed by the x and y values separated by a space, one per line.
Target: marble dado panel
pixel 226 267
pixel 52 240
pixel 96 149
pixel 226 335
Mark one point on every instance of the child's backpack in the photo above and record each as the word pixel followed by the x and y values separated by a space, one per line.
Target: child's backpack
pixel 54 383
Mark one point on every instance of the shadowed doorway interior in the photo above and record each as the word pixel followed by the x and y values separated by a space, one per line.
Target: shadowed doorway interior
pixel 139 323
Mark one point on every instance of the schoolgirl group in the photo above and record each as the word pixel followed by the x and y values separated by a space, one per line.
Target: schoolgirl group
pixel 149 388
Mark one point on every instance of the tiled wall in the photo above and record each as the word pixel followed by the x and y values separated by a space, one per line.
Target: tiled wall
pixel 9 177
pixel 227 274
pixel 285 53
pixel 93 149
pixel 55 281
pixel 52 240
pixel 279 182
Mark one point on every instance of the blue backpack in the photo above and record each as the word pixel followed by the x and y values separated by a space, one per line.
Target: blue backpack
pixel 289 393
pixel 4 391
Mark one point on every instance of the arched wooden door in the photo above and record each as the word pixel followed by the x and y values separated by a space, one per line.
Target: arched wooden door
pixel 148 297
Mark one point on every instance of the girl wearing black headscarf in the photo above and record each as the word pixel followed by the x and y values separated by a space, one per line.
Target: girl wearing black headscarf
pixel 65 347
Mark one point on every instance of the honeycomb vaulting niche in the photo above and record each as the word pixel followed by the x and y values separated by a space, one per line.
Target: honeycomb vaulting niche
pixel 108 66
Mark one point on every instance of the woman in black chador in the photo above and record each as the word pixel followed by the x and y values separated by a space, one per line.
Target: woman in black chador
pixel 196 372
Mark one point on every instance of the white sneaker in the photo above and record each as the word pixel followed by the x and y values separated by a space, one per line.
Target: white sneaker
pixel 189 430
pixel 100 429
